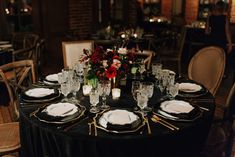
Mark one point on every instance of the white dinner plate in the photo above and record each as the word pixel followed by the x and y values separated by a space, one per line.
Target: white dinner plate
pixel 39 92
pixel 176 106
pixel 61 109
pixel 189 87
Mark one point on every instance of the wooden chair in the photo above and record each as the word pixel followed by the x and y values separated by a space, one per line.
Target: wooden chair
pixel 39 53
pixel 72 50
pixel 16 76
pixel 148 55
pixel 24 40
pixel 207 67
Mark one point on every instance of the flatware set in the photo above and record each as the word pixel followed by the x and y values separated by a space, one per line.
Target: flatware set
pixel 163 122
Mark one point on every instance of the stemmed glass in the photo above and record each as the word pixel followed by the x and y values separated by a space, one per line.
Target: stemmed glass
pixel 135 86
pixel 104 88
pixel 173 90
pixel 65 90
pixel 94 100
pixel 75 86
pixel 147 87
pixel 142 69
pixel 142 100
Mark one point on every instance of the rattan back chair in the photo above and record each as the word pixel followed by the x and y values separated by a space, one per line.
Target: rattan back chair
pixel 207 67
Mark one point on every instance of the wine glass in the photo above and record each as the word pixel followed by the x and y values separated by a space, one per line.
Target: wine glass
pixel 173 90
pixel 142 100
pixel 65 90
pixel 148 87
pixel 142 69
pixel 75 86
pixel 104 88
pixel 94 100
pixel 135 86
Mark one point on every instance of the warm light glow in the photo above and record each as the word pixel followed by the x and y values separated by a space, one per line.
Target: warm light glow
pixel 116 93
pixel 135 35
pixel 7 11
pixel 151 20
pixel 123 36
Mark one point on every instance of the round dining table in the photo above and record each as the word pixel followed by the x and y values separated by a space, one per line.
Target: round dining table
pixel 41 139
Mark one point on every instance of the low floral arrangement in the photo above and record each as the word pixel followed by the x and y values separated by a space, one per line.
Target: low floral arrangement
pixel 109 64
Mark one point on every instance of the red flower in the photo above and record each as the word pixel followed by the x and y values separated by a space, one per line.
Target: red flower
pixel 111 72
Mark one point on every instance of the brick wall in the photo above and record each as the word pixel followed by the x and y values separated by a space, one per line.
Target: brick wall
pixel 166 8
pixel 80 18
pixel 191 10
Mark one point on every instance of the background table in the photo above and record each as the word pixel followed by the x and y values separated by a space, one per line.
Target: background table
pixel 40 139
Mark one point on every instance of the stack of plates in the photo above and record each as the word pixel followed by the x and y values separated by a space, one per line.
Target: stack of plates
pixel 40 95
pixel 60 113
pixel 178 110
pixel 120 121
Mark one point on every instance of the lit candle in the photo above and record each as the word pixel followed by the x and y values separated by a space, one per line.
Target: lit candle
pixel 116 93
pixel 86 89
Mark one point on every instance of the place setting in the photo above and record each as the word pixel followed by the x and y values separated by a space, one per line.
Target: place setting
pixel 191 89
pixel 39 95
pixel 178 110
pixel 59 112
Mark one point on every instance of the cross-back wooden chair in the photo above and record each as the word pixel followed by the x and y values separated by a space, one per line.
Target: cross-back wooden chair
pixel 147 55
pixel 207 67
pixel 24 40
pixel 40 49
pixel 72 50
pixel 16 76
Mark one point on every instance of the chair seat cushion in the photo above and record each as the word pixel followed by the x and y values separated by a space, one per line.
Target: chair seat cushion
pixel 9 137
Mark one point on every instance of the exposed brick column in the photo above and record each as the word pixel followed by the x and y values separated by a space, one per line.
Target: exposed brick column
pixel 80 18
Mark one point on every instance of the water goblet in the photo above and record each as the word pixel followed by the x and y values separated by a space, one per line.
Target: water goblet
pixel 135 86
pixel 142 101
pixel 94 100
pixel 173 90
pixel 148 87
pixel 65 90
pixel 141 69
pixel 104 88
pixel 75 86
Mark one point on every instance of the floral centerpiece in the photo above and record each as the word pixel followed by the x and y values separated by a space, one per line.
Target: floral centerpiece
pixel 110 64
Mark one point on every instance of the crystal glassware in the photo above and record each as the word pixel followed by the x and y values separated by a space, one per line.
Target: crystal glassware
pixel 94 100
pixel 148 87
pixel 65 90
pixel 142 100
pixel 104 88
pixel 135 86
pixel 173 90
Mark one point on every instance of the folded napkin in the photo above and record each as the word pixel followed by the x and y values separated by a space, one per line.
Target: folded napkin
pixel 176 106
pixel 39 92
pixel 117 117
pixel 61 109
pixel 52 77
pixel 189 87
